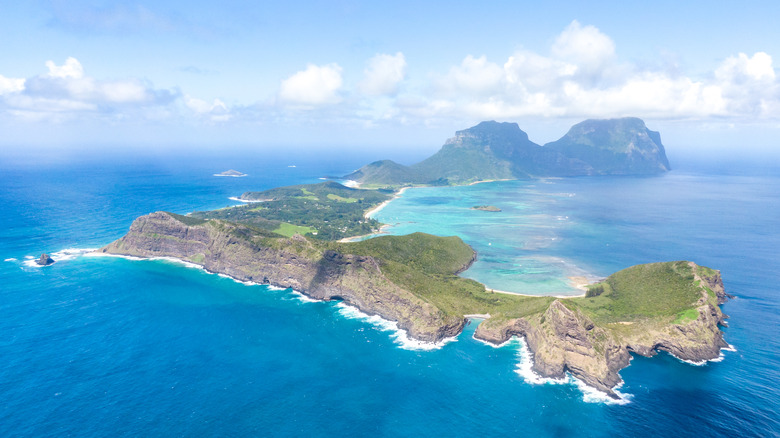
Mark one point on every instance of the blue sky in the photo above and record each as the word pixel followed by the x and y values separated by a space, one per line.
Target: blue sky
pixel 383 74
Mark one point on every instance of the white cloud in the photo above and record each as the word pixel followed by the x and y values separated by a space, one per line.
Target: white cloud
pixel 317 85
pixel 582 77
pixel 742 68
pixel 10 85
pixel 383 75
pixel 584 46
pixel 66 91
pixel 71 69
pixel 472 76
pixel 216 111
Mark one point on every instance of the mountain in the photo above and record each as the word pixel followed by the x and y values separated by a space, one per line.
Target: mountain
pixel 493 150
pixel 386 172
pixel 615 147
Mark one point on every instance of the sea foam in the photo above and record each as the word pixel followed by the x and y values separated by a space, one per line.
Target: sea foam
pixel 58 256
pixel 399 335
pixel 589 394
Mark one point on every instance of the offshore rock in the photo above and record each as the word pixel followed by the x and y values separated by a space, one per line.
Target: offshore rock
pixel 44 260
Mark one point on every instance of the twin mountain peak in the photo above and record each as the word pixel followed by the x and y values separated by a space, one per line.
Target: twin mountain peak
pixel 494 150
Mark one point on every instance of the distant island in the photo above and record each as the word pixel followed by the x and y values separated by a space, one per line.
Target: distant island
pixel 491 208
pixel 231 172
pixel 492 150
pixel 292 237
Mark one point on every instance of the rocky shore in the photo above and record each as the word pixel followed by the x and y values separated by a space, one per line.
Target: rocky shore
pixel 565 336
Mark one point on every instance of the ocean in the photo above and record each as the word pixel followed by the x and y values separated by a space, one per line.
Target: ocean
pixel 104 346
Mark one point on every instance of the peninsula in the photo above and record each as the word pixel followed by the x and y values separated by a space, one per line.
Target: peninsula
pixel 291 239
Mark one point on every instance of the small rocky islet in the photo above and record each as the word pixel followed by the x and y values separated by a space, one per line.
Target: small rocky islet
pixel 413 279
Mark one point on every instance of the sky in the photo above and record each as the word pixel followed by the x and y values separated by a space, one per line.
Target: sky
pixel 386 75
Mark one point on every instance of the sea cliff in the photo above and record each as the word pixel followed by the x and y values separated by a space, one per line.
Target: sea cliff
pixel 413 280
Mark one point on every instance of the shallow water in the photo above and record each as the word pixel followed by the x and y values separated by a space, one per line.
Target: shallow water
pixel 106 346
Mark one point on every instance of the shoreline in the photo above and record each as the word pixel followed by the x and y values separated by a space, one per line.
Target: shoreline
pixel 379 207
pixel 529 295
pixel 347 310
pixel 579 282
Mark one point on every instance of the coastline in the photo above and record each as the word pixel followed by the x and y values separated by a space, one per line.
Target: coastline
pixel 529 295
pixel 379 207
pixel 372 211
pixel 400 336
pixel 579 282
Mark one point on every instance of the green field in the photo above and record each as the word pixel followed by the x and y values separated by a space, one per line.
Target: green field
pixel 656 290
pixel 289 230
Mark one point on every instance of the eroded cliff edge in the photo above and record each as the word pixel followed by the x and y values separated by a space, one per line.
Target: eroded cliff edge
pixel 413 280
pixel 672 307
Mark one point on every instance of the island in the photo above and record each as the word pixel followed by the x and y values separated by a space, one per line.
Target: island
pixel 44 260
pixel 494 151
pixel 231 172
pixel 491 208
pixel 293 237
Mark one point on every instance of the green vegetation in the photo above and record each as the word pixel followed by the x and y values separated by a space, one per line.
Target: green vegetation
pixel 492 150
pixel 686 316
pixel 330 209
pixel 288 230
pixel 187 220
pixel 656 290
pixel 428 265
pixel 386 173
pixel 338 198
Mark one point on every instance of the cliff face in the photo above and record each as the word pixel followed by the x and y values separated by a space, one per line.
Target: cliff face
pixel 565 339
pixel 670 306
pixel 493 150
pixel 296 263
pixel 615 147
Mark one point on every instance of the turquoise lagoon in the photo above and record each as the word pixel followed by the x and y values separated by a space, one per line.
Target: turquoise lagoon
pixel 98 346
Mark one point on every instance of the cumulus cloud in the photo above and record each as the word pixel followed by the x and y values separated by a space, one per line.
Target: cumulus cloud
pixel 584 47
pixel 66 89
pixel 472 76
pixel 582 77
pixel 216 111
pixel 10 85
pixel 317 85
pixel 383 74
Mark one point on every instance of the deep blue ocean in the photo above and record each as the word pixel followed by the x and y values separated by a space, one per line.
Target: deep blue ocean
pixel 102 346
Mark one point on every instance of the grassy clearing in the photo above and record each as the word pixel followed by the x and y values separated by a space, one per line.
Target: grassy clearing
pixel 686 316
pixel 289 230
pixel 334 197
pixel 656 290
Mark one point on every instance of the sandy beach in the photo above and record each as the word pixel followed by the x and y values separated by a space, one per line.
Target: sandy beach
pixel 529 295
pixel 382 205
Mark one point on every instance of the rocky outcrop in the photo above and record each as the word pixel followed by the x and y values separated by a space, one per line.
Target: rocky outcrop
pixel 563 339
pixel 44 260
pixel 562 334
pixel 237 251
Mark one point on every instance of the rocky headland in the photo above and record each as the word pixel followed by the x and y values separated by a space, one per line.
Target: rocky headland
pixel 413 280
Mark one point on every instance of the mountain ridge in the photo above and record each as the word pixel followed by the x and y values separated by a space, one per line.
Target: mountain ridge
pixel 501 150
